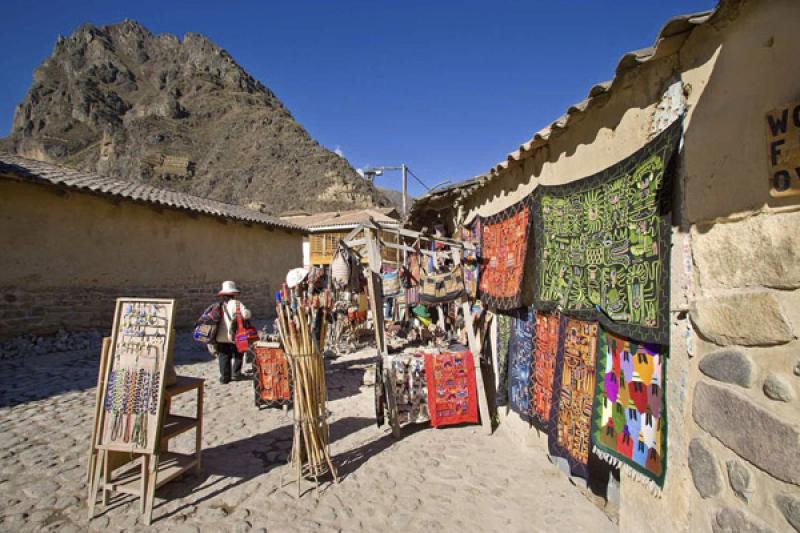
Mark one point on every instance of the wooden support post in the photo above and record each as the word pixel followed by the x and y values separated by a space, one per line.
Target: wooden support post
pixel 483 403
pixel 198 432
pixel 375 287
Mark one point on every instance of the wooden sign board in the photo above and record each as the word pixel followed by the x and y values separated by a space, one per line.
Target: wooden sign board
pixel 134 375
pixel 783 150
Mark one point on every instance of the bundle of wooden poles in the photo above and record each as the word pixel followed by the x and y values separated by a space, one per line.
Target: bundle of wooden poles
pixel 303 321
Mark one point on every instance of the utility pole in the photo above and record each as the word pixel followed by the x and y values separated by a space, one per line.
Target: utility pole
pixel 404 169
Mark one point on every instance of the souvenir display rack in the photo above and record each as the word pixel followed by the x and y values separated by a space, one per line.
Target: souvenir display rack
pixel 364 240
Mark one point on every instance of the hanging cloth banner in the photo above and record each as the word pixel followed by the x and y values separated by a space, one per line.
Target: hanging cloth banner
pixel 602 244
pixel 629 420
pixel 571 413
pixel 503 339
pixel 545 356
pixel 472 233
pixel 520 359
pixel 504 250
pixel 452 389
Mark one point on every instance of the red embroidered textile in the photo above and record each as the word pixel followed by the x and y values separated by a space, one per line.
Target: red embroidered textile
pixel 504 247
pixel 452 393
pixel 272 382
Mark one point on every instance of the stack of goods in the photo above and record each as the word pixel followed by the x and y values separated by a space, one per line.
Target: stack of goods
pixel 303 320
pixel 411 393
pixel 452 392
pixel 272 383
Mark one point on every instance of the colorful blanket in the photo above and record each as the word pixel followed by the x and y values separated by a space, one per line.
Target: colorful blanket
pixel 603 243
pixel 503 338
pixel 520 359
pixel 545 356
pixel 571 415
pixel 629 420
pixel 272 382
pixel 452 393
pixel 504 248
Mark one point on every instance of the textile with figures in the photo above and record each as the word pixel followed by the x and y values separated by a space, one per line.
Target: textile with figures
pixel 520 359
pixel 503 337
pixel 602 244
pixel 629 421
pixel 452 393
pixel 272 380
pixel 471 234
pixel 545 355
pixel 571 414
pixel 504 248
pixel 411 392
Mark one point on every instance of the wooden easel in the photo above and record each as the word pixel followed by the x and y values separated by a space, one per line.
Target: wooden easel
pixel 369 241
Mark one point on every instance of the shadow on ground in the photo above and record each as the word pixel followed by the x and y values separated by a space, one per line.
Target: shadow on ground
pixel 229 465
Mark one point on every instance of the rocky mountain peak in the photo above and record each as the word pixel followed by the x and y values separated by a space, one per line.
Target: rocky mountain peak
pixel 177 113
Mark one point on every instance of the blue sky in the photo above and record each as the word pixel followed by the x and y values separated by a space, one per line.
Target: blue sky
pixel 448 87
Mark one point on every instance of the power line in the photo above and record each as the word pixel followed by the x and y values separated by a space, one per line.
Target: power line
pixel 416 178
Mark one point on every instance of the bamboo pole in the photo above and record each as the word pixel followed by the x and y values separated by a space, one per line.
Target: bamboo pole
pixel 302 323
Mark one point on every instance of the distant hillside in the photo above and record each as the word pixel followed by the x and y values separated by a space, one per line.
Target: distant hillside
pixel 394 197
pixel 179 114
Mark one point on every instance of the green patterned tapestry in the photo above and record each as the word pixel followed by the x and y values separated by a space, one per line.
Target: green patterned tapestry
pixel 602 243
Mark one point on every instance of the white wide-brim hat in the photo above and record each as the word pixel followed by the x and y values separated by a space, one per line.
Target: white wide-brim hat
pixel 228 288
pixel 296 276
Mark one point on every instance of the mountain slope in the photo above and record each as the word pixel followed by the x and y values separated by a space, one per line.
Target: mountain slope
pixel 179 114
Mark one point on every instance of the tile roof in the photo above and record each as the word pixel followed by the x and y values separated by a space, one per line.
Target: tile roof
pixel 29 170
pixel 351 218
pixel 669 39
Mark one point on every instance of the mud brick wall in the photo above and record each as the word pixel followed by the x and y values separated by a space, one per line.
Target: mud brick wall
pixel 66 258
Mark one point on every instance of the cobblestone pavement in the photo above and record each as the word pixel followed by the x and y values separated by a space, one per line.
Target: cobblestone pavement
pixel 451 479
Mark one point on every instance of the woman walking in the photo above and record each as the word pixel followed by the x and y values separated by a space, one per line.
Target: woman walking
pixel 226 345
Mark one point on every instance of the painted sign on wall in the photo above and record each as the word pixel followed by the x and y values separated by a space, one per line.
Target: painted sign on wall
pixel 783 150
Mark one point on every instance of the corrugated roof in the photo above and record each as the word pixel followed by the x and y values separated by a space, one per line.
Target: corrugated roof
pixel 351 218
pixel 29 170
pixel 669 40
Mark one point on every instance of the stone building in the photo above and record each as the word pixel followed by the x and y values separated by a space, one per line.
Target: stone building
pixel 73 242
pixel 733 376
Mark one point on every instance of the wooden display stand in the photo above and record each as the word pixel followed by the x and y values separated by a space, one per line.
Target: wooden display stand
pixel 130 441
pixel 120 475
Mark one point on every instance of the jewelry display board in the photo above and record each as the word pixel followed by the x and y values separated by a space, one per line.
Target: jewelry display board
pixel 134 375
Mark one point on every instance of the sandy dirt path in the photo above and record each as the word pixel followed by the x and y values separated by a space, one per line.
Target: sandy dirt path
pixel 451 479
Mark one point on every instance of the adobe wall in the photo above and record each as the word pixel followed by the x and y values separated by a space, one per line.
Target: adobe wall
pixel 67 257
pixel 733 378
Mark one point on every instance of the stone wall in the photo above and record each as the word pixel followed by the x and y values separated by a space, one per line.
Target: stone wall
pixel 68 257
pixel 733 381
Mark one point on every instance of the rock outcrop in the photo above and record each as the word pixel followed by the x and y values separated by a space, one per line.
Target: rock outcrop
pixel 179 114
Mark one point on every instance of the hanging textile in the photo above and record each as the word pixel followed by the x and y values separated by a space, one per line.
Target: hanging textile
pixel 411 391
pixel 504 248
pixel 602 244
pixel 440 288
pixel 452 393
pixel 629 420
pixel 571 414
pixel 545 356
pixel 391 282
pixel 520 359
pixel 412 280
pixel 503 338
pixel 471 234
pixel 272 382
